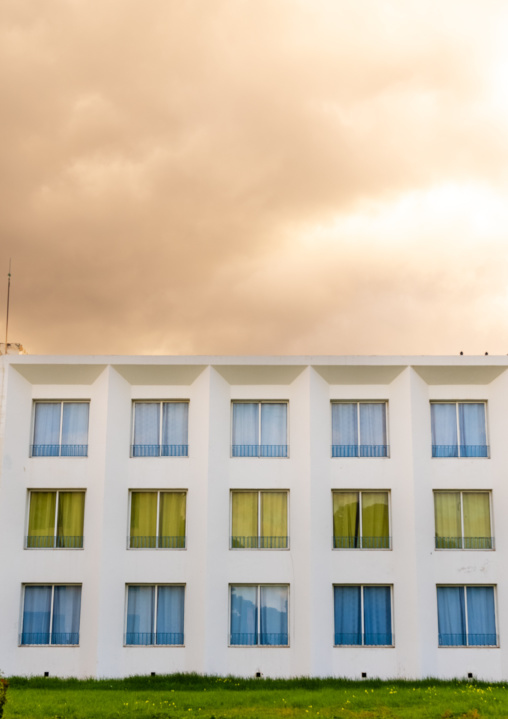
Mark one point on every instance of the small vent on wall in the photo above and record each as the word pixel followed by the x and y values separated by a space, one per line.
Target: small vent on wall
pixel 364 675
pixel 258 675
pixel 46 674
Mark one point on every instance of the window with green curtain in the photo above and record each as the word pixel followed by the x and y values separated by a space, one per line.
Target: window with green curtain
pixel 274 520
pixel 244 521
pixel 69 525
pixel 375 529
pixel 41 520
pixel 143 529
pixel 172 520
pixel 448 521
pixel 476 512
pixel 346 520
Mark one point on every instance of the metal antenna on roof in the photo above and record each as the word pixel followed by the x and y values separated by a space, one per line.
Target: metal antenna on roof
pixel 8 297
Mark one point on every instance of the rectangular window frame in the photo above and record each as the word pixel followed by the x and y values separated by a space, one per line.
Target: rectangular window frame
pixel 258 587
pixel 360 534
pixel 51 618
pixel 181 450
pixel 361 451
pixel 80 541
pixel 157 537
pixel 257 453
pixel 259 538
pixel 462 540
pixel 80 453
pixel 156 599
pixel 362 615
pixel 464 587
pixel 460 446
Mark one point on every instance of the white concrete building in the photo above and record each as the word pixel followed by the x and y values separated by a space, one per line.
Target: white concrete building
pixel 232 515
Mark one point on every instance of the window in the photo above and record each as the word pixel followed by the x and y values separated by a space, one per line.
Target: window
pixel 60 429
pixel 51 614
pixel 363 616
pixel 359 429
pixel 160 429
pixel 260 429
pixel 458 429
pixel 55 520
pixel 259 615
pixel 157 520
pixel 463 520
pixel 259 520
pixel 361 520
pixel 466 617
pixel 155 615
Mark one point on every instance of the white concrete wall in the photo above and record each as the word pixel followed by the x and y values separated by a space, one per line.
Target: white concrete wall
pixel 207 567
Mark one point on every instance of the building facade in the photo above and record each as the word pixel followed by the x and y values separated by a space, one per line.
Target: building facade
pixel 281 516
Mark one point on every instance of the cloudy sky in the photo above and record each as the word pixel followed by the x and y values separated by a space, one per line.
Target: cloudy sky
pixel 255 176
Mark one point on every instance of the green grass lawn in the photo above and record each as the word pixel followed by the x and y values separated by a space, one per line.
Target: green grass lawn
pixel 189 695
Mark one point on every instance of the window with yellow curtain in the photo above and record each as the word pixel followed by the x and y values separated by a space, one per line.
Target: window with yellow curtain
pixel 259 520
pixel 55 520
pixel 361 520
pixel 463 520
pixel 157 520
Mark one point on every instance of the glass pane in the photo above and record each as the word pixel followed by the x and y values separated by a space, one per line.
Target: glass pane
pixel 170 611
pixel 347 615
pixel 175 420
pixel 41 520
pixel 274 520
pixel 36 615
pixel 447 515
pixel 345 429
pixel 244 522
pixel 75 423
pixel 146 429
pixel 473 439
pixel 172 520
pixel 274 430
pixel 47 429
pixel 476 509
pixel 346 520
pixel 375 529
pixel 451 615
pixel 373 429
pixel 245 429
pixel 481 616
pixel 140 615
pixel 71 508
pixel 244 615
pixel 444 430
pixel 274 616
pixel 66 613
pixel 377 615
pixel 143 527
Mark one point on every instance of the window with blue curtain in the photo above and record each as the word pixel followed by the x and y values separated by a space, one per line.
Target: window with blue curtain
pixel 259 429
pixel 359 429
pixel 466 616
pixel 259 615
pixel 60 429
pixel 155 615
pixel 363 616
pixel 160 429
pixel 458 429
pixel 51 615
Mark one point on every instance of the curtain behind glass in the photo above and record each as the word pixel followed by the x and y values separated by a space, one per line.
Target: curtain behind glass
pixel 170 610
pixel 448 524
pixel 347 615
pixel 481 616
pixel 175 422
pixel 377 615
pixel 444 430
pixel 473 439
pixel 451 615
pixel 274 430
pixel 36 615
pixel 274 616
pixel 274 520
pixel 69 525
pixel 75 429
pixel 244 616
pixel 172 520
pixel 140 615
pixel 41 520
pixel 346 520
pixel 245 429
pixel 146 429
pixel 373 430
pixel 47 429
pixel 66 612
pixel 244 524
pixel 344 429
pixel 143 527
pixel 375 530
pixel 476 511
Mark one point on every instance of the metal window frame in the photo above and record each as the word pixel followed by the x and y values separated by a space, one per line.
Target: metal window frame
pixel 22 612
pixel 464 587
pixel 258 492
pixel 362 615
pixel 155 586
pixel 360 492
pixel 57 491
pixel 159 492
pixel 258 615
pixel 160 402
pixel 259 402
pixel 61 402
pixel 458 402
pixel 461 492
pixel 358 402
